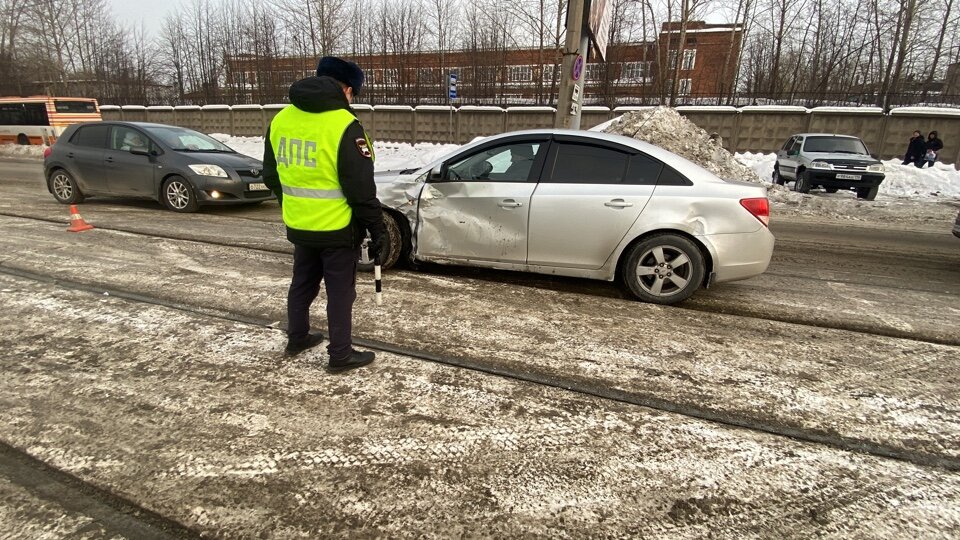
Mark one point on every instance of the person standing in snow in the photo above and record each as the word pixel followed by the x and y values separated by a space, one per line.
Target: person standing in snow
pixel 916 150
pixel 319 162
pixel 933 147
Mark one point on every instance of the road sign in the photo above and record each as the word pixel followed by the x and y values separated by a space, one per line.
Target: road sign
pixel 453 86
pixel 598 25
pixel 578 67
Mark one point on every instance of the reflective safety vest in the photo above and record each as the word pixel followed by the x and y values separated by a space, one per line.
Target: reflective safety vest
pixel 306 146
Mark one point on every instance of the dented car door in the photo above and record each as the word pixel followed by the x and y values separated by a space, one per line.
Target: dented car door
pixel 478 209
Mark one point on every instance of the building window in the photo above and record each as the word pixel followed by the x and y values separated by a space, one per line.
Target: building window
pixel 547 72
pixel 635 71
pixel 672 59
pixel 689 58
pixel 390 76
pixel 684 89
pixel 520 74
pixel 426 76
pixel 594 72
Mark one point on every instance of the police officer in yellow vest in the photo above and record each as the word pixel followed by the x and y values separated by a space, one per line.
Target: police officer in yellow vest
pixel 319 162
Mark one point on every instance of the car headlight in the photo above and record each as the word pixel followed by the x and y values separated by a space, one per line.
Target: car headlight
pixel 210 170
pixel 875 168
pixel 820 165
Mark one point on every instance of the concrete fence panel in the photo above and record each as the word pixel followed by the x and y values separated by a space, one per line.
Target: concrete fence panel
pixel 395 123
pixel 111 113
pixel 719 120
pixel 436 123
pixel 189 116
pixel 479 121
pixel 901 123
pixel 765 128
pixel 866 123
pixel 365 116
pixel 134 113
pixel 519 118
pixel 593 115
pixel 217 119
pixel 269 111
pixel 161 115
pixel 248 121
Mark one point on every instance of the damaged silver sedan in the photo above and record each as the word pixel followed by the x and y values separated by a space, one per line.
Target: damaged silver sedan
pixel 580 204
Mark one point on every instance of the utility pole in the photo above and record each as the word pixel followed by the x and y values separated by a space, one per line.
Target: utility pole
pixel 574 66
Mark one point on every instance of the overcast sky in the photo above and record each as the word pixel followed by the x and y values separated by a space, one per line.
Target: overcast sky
pixel 151 13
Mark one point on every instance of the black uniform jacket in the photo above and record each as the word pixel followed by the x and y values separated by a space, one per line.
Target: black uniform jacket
pixel 354 167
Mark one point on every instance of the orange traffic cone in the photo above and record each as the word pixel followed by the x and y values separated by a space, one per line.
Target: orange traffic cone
pixel 77 223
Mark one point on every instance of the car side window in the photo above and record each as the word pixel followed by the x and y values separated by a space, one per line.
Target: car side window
pixel 125 139
pixel 92 136
pixel 643 170
pixel 587 164
pixel 797 143
pixel 506 163
pixel 788 144
pixel 670 177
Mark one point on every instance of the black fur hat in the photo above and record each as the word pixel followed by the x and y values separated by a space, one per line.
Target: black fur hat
pixel 346 72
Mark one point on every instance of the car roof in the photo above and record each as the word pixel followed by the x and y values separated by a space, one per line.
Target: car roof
pixel 825 135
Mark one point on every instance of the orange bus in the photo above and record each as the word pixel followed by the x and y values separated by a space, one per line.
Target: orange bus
pixel 41 119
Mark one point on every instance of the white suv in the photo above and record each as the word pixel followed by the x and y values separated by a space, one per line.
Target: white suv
pixel 829 161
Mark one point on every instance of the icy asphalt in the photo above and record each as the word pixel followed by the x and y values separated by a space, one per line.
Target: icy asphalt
pixel 201 419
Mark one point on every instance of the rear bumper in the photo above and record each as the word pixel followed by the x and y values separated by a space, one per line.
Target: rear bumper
pixel 740 256
pixel 829 179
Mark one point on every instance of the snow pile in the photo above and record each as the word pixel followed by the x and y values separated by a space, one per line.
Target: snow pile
pixel 22 150
pixel 390 156
pixel 664 127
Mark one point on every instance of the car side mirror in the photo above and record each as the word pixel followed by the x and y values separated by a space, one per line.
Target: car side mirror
pixel 436 174
pixel 140 151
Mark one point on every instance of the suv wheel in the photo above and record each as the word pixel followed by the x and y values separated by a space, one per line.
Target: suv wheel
pixel 868 193
pixel 777 179
pixel 802 185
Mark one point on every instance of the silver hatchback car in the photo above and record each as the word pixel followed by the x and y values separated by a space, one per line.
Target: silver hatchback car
pixel 581 204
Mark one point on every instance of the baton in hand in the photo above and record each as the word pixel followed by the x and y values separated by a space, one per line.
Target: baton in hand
pixel 376 279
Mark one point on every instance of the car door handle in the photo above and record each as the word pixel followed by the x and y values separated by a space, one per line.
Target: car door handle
pixel 108 160
pixel 618 203
pixel 509 203
pixel 70 155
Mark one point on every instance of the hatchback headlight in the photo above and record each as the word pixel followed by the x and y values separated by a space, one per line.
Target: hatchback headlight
pixel 875 168
pixel 820 165
pixel 210 170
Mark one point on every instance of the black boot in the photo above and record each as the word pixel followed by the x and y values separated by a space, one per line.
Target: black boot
pixel 355 360
pixel 298 346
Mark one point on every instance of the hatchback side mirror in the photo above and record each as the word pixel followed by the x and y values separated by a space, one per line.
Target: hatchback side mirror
pixel 140 151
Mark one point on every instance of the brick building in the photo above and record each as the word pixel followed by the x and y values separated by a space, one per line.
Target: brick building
pixel 631 74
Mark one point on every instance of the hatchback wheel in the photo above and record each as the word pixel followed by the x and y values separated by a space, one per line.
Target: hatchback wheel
pixel 178 195
pixel 664 269
pixel 64 187
pixel 395 246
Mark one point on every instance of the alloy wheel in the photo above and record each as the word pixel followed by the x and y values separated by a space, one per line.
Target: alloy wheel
pixel 178 195
pixel 664 270
pixel 62 186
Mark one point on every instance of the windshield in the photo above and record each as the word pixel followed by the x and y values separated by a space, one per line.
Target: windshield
pixel 837 145
pixel 187 140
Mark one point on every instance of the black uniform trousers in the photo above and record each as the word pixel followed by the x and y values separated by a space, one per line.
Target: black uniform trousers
pixel 337 267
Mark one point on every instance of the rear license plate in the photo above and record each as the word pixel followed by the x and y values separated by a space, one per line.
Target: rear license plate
pixel 842 176
pixel 259 186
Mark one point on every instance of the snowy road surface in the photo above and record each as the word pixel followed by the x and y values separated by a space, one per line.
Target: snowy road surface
pixel 170 391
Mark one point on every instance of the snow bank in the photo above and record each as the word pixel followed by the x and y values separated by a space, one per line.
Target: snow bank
pixel 390 156
pixel 664 127
pixel 21 150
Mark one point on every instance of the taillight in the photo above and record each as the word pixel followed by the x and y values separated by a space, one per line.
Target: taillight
pixel 47 151
pixel 759 207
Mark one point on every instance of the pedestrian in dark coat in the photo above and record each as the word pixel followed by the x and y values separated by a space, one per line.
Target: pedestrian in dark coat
pixel 933 147
pixel 915 150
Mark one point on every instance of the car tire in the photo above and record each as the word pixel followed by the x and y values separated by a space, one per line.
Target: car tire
pixel 777 179
pixel 802 185
pixel 64 188
pixel 23 140
pixel 663 269
pixel 178 195
pixel 868 193
pixel 830 189
pixel 395 246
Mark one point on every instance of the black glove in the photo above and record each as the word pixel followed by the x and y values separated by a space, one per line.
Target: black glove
pixel 377 248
